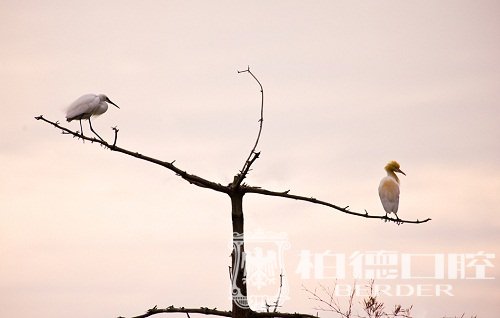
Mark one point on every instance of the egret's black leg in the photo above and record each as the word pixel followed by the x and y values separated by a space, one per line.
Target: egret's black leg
pixel 94 131
pixel 398 222
pixel 81 129
pixel 397 217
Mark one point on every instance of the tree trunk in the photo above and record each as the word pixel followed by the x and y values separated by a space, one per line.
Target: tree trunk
pixel 240 306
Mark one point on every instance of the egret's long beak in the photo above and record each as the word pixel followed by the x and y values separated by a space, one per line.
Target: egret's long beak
pixel 400 172
pixel 112 103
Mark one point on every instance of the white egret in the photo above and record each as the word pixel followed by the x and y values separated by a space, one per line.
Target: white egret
pixel 388 189
pixel 87 106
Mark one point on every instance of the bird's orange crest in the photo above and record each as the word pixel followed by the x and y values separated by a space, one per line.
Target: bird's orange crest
pixel 392 166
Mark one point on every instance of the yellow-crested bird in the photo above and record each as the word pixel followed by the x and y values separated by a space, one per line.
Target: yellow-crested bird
pixel 388 189
pixel 87 106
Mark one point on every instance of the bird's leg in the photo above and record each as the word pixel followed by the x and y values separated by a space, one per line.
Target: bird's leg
pixel 398 222
pixel 81 129
pixel 90 123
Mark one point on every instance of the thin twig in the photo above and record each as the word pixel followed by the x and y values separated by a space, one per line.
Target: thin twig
pixel 276 303
pixel 246 166
pixel 116 130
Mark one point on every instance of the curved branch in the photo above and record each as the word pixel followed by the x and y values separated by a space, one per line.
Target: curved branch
pixel 286 194
pixel 253 155
pixel 191 178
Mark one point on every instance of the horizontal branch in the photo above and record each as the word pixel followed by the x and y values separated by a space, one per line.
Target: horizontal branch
pixel 280 315
pixel 172 309
pixel 191 178
pixel 215 312
pixel 204 183
pixel 287 195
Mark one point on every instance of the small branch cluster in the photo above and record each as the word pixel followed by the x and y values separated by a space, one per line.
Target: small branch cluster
pixel 329 302
pixel 371 305
pixel 277 302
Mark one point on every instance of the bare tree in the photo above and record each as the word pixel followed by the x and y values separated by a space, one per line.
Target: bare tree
pixel 236 190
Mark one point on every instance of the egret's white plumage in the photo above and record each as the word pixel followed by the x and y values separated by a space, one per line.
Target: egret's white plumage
pixel 87 106
pixel 388 189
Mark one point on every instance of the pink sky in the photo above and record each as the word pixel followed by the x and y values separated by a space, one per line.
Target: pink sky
pixel 349 86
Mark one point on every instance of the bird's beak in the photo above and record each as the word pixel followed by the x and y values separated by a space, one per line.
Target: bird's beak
pixel 112 103
pixel 400 172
